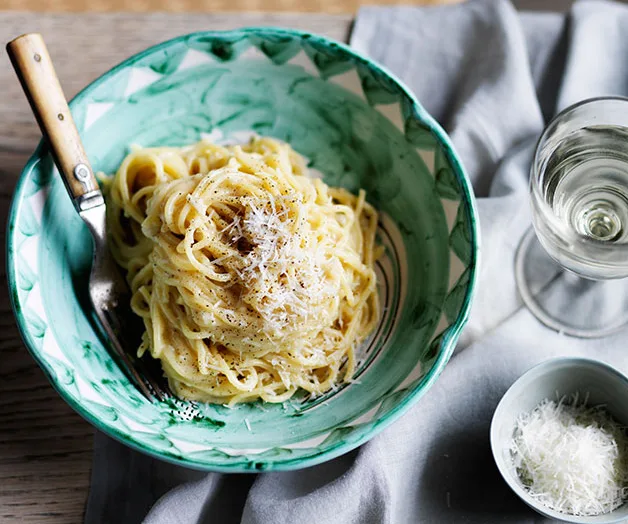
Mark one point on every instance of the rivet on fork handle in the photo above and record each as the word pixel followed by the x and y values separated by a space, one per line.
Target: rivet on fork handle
pixel 34 68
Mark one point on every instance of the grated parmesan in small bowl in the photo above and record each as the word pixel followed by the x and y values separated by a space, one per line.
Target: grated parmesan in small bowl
pixel 571 457
pixel 559 440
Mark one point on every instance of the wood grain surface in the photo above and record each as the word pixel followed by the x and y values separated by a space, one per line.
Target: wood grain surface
pixel 46 448
pixel 33 66
pixel 225 6
pixel 203 6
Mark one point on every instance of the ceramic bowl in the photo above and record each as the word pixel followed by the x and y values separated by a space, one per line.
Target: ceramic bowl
pixel 561 376
pixel 359 127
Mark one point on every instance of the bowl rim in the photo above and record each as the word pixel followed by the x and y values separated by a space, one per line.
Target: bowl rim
pixel 547 366
pixel 243 463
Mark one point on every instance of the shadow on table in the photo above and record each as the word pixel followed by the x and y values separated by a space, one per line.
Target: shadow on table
pixel 45 448
pixel 462 483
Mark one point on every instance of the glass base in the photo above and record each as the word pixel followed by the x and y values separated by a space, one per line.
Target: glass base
pixel 564 301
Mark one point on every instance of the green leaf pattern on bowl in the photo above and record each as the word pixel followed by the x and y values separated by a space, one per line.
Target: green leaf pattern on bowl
pixel 358 128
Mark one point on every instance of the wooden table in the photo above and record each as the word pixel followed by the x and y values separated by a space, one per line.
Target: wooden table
pixel 46 448
pixel 205 6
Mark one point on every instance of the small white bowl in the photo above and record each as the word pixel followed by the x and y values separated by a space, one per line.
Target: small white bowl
pixel 565 376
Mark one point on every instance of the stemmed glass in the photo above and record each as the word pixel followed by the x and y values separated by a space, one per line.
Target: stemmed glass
pixel 572 273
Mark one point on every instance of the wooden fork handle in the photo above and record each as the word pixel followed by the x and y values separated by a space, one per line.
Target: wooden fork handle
pixel 37 75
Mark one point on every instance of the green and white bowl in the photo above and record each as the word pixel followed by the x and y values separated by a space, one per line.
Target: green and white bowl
pixel 359 127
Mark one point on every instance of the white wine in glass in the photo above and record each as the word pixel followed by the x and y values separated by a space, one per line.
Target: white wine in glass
pixel 579 196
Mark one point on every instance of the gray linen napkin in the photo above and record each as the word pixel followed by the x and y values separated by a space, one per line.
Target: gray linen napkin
pixel 492 78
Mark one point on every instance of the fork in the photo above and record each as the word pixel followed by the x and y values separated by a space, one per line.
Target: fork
pixel 109 293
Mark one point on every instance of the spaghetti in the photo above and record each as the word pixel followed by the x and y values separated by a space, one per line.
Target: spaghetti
pixel 252 279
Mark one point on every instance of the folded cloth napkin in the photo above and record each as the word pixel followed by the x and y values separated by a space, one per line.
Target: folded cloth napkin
pixel 492 78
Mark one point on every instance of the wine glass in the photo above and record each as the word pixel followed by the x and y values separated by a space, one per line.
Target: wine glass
pixel 572 274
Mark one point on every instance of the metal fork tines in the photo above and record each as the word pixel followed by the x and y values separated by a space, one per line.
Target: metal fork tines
pixel 110 296
pixel 108 291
